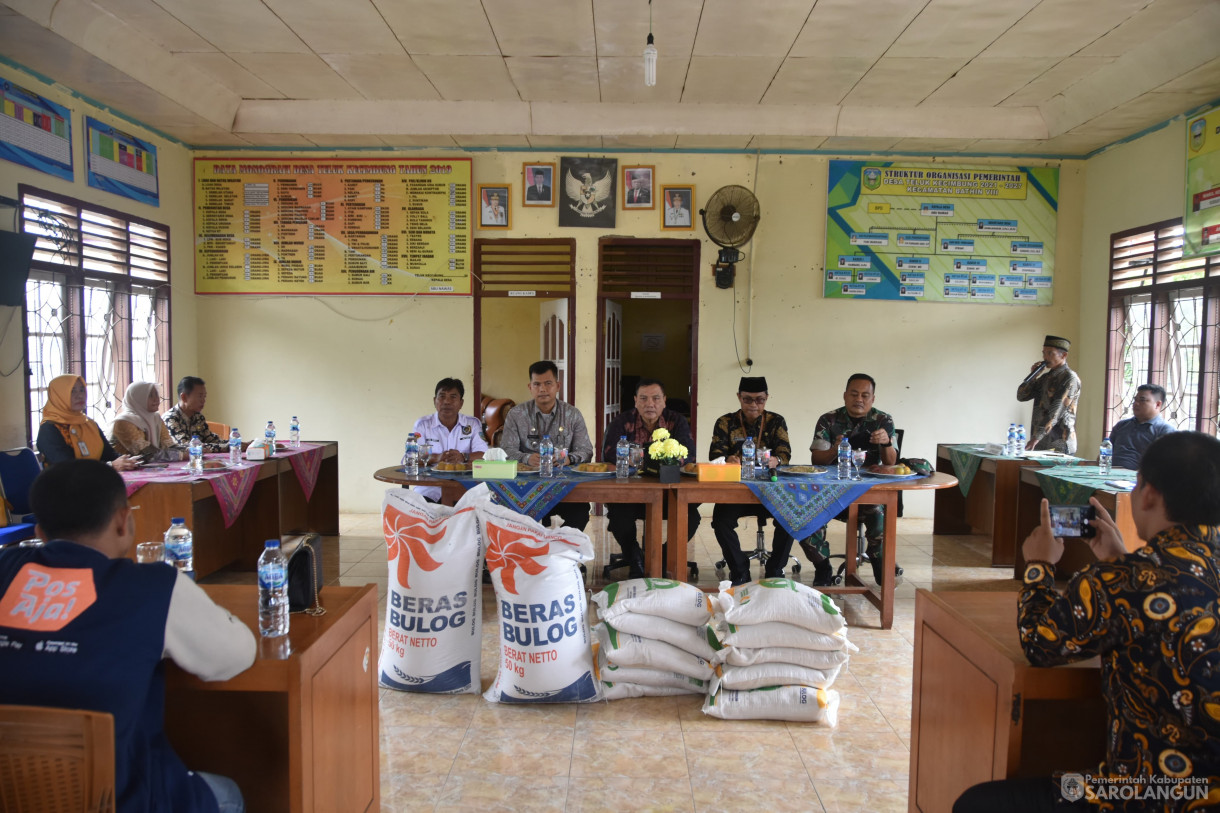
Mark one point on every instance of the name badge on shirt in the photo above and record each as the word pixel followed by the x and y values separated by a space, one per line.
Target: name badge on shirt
pixel 84 448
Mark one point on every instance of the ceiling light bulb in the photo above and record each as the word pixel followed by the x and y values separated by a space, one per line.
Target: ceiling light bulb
pixel 650 62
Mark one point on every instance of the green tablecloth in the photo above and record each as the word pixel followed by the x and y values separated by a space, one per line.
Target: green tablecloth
pixel 967 457
pixel 1073 485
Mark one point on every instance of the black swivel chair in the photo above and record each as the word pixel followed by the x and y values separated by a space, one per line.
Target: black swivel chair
pixel 861 540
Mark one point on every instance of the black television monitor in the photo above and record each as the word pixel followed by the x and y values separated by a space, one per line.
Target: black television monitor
pixel 16 253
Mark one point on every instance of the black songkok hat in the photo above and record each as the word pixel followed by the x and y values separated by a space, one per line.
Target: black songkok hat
pixel 1057 342
pixel 752 384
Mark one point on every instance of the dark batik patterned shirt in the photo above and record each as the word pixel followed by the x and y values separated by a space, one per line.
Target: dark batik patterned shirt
pixel 1053 424
pixel 630 424
pixel 769 431
pixel 181 429
pixel 1152 617
pixel 833 425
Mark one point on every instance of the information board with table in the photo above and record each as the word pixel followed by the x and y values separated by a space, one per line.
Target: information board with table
pixel 232 511
pixel 299 730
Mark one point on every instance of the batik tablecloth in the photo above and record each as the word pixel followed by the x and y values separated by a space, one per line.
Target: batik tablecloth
pixel 532 496
pixel 1073 485
pixel 804 503
pixel 306 461
pixel 232 487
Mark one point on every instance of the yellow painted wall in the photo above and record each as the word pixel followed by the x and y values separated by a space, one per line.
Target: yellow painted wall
pixel 174 164
pixel 510 345
pixel 360 370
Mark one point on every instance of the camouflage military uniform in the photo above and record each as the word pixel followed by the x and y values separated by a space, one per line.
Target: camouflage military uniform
pixel 829 428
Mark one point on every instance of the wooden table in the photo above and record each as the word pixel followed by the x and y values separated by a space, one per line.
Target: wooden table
pixel 1076 553
pixel 990 507
pixel 980 712
pixel 276 507
pixel 298 731
pixel 647 490
pixel 884 493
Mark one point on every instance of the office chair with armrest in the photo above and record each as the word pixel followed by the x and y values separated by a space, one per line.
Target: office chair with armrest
pixel 18 468
pixel 56 760
pixel 760 552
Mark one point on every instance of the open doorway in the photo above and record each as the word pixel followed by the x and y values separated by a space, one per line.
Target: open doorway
pixel 648 309
pixel 524 311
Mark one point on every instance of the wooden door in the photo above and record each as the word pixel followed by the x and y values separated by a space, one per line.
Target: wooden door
pixel 553 340
pixel 612 371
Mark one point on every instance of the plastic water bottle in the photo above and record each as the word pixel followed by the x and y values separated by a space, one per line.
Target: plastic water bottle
pixel 272 591
pixel 294 433
pixel 622 459
pixel 747 459
pixel 410 455
pixel 234 447
pixel 1105 457
pixel 196 453
pixel 269 436
pixel 1020 439
pixel 844 458
pixel 1010 448
pixel 546 457
pixel 180 546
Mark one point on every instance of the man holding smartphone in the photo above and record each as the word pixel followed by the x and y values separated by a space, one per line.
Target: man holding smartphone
pixel 1150 615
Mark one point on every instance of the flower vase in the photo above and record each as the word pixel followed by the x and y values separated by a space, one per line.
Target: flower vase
pixel 669 472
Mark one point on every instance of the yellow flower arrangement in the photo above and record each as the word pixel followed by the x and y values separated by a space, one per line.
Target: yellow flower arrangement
pixel 666 450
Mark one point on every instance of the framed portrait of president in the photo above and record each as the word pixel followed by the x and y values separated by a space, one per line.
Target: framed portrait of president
pixel 538 184
pixel 637 188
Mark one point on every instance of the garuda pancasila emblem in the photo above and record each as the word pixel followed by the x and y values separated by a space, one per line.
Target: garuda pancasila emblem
pixel 590 195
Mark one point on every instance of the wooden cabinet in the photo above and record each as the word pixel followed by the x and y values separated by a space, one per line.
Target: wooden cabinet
pixel 979 711
pixel 298 731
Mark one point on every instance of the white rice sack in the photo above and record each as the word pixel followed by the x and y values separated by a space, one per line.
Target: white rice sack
pixel 824 659
pixel 761 675
pixel 545 644
pixel 624 691
pixel 802 704
pixel 642 675
pixel 781 600
pixel 692 639
pixel 677 601
pixel 776 633
pixel 433 617
pixel 625 649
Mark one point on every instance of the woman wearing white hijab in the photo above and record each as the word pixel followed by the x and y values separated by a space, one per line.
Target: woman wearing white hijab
pixel 138 428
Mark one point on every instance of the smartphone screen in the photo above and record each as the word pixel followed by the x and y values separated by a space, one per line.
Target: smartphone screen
pixel 1072 520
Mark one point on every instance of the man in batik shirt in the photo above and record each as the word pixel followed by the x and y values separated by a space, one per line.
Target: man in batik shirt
pixel 649 415
pixel 1150 615
pixel 185 418
pixel 770 431
pixel 1054 391
pixel 866 428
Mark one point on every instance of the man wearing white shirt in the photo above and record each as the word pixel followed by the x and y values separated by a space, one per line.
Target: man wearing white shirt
pixel 455 438
pixel 493 212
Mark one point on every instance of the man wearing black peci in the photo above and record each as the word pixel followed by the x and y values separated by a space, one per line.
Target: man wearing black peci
pixel 867 428
pixel 769 431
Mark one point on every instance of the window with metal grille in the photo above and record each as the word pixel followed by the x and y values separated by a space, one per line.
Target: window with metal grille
pixel 97 302
pixel 1164 327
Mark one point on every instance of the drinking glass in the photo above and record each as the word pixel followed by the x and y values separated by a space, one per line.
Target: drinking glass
pixel 858 456
pixel 762 460
pixel 636 458
pixel 149 552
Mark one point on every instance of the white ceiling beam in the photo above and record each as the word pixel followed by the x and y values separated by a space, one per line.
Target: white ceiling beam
pixel 943 122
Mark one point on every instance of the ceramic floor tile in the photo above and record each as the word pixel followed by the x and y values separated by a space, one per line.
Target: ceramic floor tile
pixel 493 716
pixel 420 749
pixel 414 709
pixel 873 795
pixel 411 792
pixel 476 790
pixel 736 792
pixel 525 752
pixel 644 713
pixel 618 794
pixel 627 752
pixel 749 753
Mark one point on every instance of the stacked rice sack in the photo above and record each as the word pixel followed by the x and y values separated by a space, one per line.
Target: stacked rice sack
pixel 433 617
pixel 545 643
pixel 653 639
pixel 782 646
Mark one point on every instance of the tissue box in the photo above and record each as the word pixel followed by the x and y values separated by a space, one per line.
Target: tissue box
pixel 718 473
pixel 495 469
pixel 256 453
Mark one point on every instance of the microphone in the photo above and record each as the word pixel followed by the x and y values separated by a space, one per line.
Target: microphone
pixel 1034 373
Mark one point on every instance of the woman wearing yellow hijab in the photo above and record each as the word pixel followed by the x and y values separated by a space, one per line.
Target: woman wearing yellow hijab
pixel 66 431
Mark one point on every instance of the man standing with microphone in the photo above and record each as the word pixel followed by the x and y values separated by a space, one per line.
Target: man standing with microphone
pixel 1055 389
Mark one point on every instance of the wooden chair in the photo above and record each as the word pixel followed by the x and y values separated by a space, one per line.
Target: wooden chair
pixel 56 760
pixel 221 429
